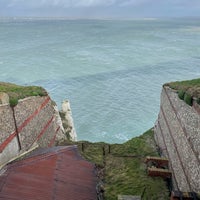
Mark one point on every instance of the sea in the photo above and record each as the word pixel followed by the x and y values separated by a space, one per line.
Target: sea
pixel 111 71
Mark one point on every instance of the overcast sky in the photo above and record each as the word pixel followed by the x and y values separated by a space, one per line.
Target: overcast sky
pixel 100 8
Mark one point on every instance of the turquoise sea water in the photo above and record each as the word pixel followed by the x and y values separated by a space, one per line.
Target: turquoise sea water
pixel 111 71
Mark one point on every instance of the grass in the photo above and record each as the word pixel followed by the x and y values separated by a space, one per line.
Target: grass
pixel 192 87
pixel 187 90
pixel 181 94
pixel 188 99
pixel 16 92
pixel 124 170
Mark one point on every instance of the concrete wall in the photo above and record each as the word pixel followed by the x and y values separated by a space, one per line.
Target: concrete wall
pixel 34 121
pixel 177 133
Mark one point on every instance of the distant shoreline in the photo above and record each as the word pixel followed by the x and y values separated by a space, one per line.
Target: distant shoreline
pixel 35 18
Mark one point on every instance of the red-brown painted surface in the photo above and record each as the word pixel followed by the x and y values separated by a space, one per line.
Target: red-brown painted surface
pixel 54 138
pixel 58 173
pixel 4 144
pixel 158 162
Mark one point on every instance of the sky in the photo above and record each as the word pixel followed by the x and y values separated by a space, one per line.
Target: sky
pixel 100 8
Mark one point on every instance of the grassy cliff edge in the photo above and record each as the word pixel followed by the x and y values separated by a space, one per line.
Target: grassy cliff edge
pixel 16 92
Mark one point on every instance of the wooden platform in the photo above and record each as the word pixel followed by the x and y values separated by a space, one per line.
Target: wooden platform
pixel 153 171
pixel 178 195
pixel 158 162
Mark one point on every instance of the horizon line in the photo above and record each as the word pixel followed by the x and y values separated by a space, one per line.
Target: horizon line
pixel 92 18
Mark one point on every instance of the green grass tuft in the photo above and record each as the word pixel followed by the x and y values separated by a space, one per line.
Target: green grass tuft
pixel 16 92
pixel 13 102
pixel 188 99
pixel 198 101
pixel 192 87
pixel 181 94
pixel 187 90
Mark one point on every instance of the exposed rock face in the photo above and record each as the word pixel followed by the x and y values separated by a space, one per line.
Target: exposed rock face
pixel 58 120
pixel 67 120
pixel 177 133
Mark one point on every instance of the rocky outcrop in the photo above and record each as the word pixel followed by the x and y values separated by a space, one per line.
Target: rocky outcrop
pixel 177 133
pixel 67 120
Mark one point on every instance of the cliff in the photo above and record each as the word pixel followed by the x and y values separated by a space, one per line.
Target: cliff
pixel 27 123
pixel 67 121
pixel 177 134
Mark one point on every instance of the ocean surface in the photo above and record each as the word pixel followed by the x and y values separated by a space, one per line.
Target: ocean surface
pixel 112 71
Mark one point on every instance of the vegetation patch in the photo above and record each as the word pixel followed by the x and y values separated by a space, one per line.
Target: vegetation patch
pixel 123 167
pixel 13 102
pixel 198 101
pixel 188 99
pixel 181 94
pixel 192 87
pixel 16 92
pixel 187 90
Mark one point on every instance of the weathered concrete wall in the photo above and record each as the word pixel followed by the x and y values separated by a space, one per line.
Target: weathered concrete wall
pixel 7 125
pixel 9 145
pixel 34 120
pixel 177 132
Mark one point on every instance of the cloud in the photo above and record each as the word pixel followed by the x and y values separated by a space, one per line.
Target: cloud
pixel 146 8
pixel 133 2
pixel 59 3
pixel 88 3
pixel 96 3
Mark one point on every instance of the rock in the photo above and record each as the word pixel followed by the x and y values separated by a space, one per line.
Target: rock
pixel 67 120
pixel 59 136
